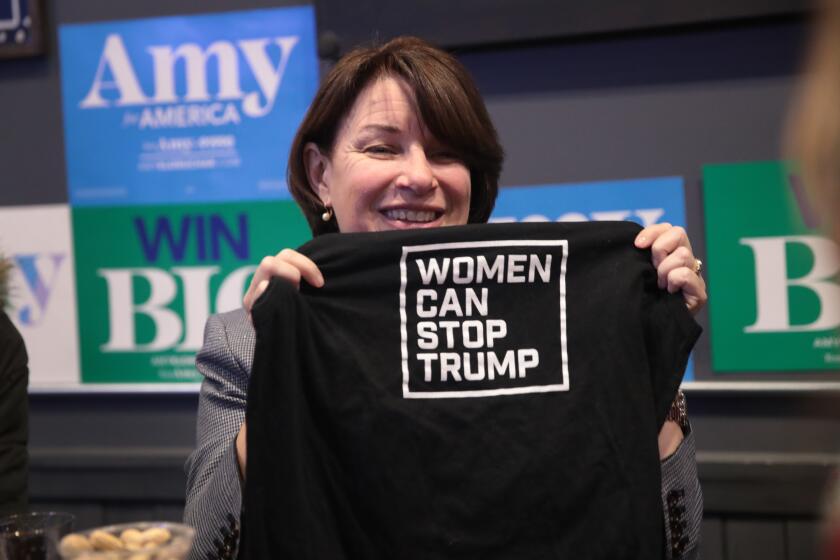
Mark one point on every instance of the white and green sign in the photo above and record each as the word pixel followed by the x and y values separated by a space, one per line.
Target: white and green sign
pixel 773 276
pixel 147 277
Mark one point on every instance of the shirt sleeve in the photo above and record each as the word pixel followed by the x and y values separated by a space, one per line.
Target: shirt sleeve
pixel 670 334
pixel 682 502
pixel 214 488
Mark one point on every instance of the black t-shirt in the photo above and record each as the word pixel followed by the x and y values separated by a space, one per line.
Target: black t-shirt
pixel 489 391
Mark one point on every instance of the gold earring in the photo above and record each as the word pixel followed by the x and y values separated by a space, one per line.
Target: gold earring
pixel 328 214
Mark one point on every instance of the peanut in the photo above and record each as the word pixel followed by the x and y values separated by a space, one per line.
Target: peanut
pixel 157 535
pixel 73 544
pixel 102 540
pixel 131 536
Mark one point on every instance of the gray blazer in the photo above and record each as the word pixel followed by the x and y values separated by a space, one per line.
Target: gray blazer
pixel 214 491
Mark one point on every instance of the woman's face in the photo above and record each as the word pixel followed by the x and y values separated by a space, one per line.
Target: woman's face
pixel 386 171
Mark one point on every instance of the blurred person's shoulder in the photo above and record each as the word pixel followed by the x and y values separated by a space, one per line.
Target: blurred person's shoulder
pixel 12 352
pixel 11 340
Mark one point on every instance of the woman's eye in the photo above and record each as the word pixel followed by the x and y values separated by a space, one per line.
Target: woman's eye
pixel 380 149
pixel 444 155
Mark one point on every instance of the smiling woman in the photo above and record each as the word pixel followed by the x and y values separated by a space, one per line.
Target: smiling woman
pixel 415 110
pixel 398 137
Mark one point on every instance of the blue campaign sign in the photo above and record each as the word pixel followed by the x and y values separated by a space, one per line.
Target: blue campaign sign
pixel 645 201
pixel 198 108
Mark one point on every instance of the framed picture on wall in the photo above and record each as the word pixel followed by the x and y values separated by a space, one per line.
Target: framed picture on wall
pixel 21 28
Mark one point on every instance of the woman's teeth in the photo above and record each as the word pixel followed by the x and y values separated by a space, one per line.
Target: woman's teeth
pixel 421 216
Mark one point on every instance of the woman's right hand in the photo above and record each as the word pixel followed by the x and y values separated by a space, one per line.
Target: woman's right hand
pixel 289 265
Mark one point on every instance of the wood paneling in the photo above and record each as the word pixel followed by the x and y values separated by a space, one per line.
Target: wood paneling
pixel 712 539
pixel 755 540
pixel 802 540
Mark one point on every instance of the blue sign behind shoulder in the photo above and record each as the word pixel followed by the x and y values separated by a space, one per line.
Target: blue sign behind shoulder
pixel 185 109
pixel 645 201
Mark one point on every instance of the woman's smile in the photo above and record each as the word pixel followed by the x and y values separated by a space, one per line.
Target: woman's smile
pixel 412 217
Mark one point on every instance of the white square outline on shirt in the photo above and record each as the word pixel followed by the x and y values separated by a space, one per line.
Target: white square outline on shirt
pixel 563 386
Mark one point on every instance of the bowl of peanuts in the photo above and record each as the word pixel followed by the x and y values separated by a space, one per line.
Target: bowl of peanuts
pixel 148 540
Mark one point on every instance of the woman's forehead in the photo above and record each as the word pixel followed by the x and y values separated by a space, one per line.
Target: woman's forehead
pixel 387 102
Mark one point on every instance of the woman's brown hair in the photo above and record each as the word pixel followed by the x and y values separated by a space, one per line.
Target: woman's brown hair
pixel 447 100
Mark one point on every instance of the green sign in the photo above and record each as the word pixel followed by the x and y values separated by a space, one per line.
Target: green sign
pixel 147 277
pixel 774 297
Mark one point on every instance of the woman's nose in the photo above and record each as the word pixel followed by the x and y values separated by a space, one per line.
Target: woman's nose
pixel 417 173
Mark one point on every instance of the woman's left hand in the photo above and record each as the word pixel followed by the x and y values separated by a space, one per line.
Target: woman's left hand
pixel 675 263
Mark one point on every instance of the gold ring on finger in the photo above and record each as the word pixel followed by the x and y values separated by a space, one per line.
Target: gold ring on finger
pixel 698 266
